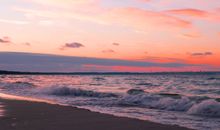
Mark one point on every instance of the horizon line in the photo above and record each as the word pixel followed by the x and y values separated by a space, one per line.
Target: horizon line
pixel 2 72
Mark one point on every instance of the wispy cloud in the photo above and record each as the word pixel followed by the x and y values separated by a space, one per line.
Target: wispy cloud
pixel 108 51
pixel 189 12
pixel 115 44
pixel 143 1
pixel 139 19
pixel 191 35
pixel 27 44
pixel 202 54
pixel 18 22
pixel 66 3
pixel 72 45
pixel 5 40
pixel 162 59
pixel 197 13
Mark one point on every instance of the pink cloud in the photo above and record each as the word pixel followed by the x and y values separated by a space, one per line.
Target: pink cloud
pixel 144 18
pixel 161 59
pixel 61 3
pixel 17 22
pixel 87 6
pixel 5 40
pixel 143 0
pixel 108 51
pixel 207 15
pixel 139 19
pixel 189 12
pixel 191 35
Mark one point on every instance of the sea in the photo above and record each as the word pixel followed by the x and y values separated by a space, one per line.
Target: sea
pixel 190 100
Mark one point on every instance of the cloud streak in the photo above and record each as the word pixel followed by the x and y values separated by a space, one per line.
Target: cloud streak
pixel 5 40
pixel 139 19
pixel 202 54
pixel 108 51
pixel 197 13
pixel 48 63
pixel 18 22
pixel 27 43
pixel 115 44
pixel 189 12
pixel 72 45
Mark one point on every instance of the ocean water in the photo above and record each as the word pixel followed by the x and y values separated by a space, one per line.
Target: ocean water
pixel 189 100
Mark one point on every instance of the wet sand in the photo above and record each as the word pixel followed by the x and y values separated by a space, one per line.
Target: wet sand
pixel 27 115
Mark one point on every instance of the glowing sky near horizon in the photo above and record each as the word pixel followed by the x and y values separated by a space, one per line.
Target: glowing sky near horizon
pixel 162 31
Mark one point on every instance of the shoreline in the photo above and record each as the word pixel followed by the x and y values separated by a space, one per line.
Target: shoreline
pixel 30 115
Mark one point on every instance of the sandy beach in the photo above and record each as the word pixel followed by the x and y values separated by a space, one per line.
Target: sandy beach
pixel 27 115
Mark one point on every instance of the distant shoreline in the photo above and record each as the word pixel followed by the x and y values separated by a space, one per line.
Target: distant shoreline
pixel 4 72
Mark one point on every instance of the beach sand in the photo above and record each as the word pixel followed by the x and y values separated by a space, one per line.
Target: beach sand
pixel 27 115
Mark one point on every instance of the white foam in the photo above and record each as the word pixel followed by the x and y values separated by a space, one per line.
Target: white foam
pixel 66 91
pixel 171 104
pixel 156 102
pixel 210 108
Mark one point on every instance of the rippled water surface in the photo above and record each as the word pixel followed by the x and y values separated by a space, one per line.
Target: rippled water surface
pixel 189 100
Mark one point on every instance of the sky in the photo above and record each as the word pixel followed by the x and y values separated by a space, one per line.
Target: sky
pixel 110 35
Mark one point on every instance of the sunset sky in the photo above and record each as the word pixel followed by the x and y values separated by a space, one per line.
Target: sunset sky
pixel 130 35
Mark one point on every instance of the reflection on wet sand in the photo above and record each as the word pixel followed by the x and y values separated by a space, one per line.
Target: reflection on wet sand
pixel 1 110
pixel 13 97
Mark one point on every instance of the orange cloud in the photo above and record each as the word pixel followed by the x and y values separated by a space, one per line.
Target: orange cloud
pixel 189 12
pixel 162 59
pixel 146 69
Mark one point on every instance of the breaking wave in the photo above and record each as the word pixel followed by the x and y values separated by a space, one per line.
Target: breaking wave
pixel 210 108
pixel 155 101
pixel 199 106
pixel 66 91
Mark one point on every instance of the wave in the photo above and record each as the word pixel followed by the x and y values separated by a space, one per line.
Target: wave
pixel 213 78
pixel 199 106
pixel 146 84
pixel 208 108
pixel 17 85
pixel 66 91
pixel 135 91
pixel 99 78
pixel 155 101
pixel 171 95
